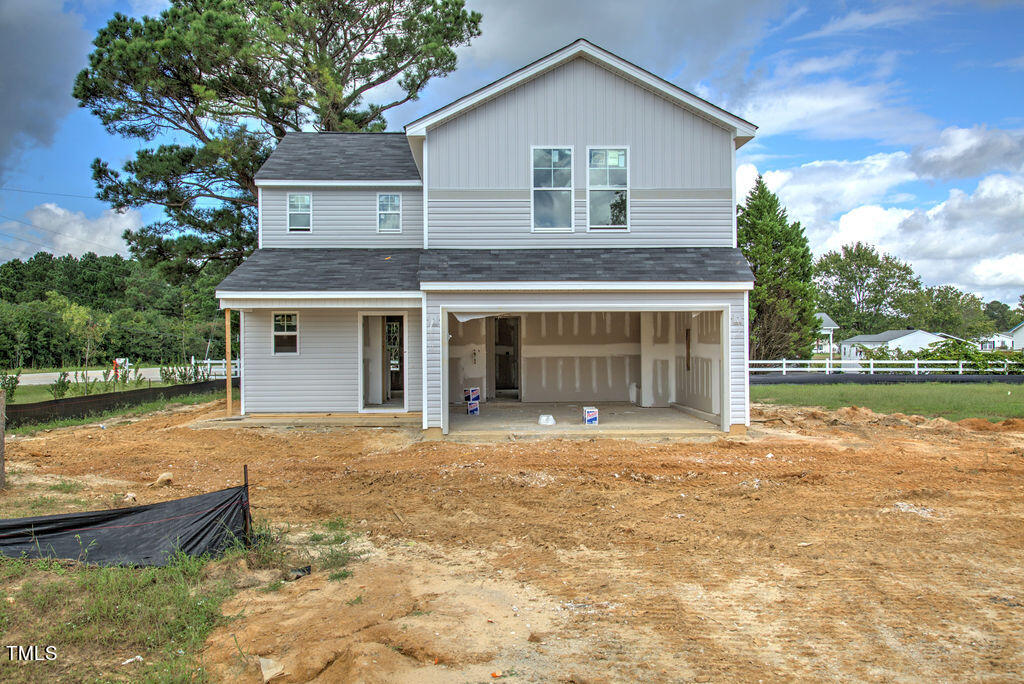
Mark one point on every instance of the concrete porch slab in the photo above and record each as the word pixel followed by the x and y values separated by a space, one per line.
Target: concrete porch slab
pixel 504 418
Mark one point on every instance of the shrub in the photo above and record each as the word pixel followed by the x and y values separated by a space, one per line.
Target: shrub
pixel 59 388
pixel 9 383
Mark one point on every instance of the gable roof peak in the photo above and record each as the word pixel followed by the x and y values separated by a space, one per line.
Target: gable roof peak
pixel 743 131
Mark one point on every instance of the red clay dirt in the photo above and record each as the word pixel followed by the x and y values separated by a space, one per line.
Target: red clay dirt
pixel 824 545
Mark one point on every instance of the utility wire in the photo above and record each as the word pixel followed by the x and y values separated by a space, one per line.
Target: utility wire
pixel 55 232
pixel 40 192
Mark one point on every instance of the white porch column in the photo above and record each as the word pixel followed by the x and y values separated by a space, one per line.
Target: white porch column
pixel 647 358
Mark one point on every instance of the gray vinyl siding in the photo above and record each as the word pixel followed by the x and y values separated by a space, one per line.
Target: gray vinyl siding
pixel 737 401
pixel 480 170
pixel 489 224
pixel 323 377
pixel 342 217
pixel 579 104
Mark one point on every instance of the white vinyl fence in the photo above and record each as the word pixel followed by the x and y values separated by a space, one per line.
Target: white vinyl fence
pixel 914 366
pixel 216 367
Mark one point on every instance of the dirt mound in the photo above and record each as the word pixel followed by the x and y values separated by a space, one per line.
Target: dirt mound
pixel 982 425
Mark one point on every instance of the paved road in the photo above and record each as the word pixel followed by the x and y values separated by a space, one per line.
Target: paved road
pixel 47 378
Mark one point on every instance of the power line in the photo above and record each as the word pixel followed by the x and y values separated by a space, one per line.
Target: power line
pixel 55 232
pixel 40 192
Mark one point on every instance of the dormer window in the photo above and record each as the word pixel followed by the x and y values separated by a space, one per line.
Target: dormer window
pixel 552 189
pixel 300 212
pixel 608 188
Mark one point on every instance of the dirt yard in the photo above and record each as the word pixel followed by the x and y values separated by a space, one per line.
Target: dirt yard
pixel 838 545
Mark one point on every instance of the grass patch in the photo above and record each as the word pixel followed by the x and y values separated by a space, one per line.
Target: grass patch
pixel 139 409
pixel 339 575
pixel 97 617
pixel 991 401
pixel 66 487
pixel 30 394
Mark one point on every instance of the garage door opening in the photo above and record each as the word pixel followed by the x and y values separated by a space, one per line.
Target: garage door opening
pixel 663 369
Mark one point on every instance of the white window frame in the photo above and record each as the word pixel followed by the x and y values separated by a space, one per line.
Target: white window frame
pixel 628 188
pixel 571 189
pixel 274 334
pixel 399 212
pixel 288 213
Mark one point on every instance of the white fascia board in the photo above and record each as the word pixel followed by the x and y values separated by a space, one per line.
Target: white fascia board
pixel 585 286
pixel 321 294
pixel 338 183
pixel 743 130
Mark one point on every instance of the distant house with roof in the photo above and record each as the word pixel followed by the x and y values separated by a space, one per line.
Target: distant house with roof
pixel 1017 335
pixel 996 342
pixel 908 339
pixel 825 343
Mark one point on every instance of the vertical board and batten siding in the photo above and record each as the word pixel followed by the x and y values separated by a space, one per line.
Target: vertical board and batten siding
pixel 579 104
pixel 342 217
pixel 585 301
pixel 324 376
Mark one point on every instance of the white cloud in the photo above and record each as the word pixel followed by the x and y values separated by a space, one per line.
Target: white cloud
pixel 815 192
pixel 968 152
pixel 746 176
pixel 60 231
pixel 1016 64
pixel 869 223
pixel 855 21
pixel 1004 271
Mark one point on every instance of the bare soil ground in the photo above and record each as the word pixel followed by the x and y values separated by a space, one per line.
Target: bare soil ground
pixel 841 545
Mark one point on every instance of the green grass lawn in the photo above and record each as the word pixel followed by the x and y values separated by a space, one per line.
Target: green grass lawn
pixel 29 394
pixel 991 401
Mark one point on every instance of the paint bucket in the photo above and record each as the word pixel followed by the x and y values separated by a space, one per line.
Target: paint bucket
pixel 590 415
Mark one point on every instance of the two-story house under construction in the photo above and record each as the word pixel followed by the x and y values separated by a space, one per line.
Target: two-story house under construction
pixel 566 234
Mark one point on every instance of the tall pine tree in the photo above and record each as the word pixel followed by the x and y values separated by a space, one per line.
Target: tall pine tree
pixel 782 304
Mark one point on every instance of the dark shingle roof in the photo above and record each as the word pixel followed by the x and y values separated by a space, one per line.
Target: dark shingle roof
pixel 306 269
pixel 341 156
pixel 700 264
pixel 284 270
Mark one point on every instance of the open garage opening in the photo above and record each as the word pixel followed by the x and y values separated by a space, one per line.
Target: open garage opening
pixel 656 370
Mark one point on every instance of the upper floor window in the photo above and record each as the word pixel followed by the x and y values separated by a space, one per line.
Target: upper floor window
pixel 608 187
pixel 552 188
pixel 286 333
pixel 300 212
pixel 389 213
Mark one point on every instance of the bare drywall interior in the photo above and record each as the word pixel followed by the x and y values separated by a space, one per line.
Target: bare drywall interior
pixel 671 358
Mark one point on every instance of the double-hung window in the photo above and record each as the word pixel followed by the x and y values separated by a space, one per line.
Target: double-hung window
pixel 389 213
pixel 608 188
pixel 300 212
pixel 286 333
pixel 552 189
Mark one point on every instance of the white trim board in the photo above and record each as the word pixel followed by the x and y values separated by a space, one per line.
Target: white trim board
pixel 743 130
pixel 338 183
pixel 584 286
pixel 320 294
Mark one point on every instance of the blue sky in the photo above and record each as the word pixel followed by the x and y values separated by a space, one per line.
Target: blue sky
pixel 901 124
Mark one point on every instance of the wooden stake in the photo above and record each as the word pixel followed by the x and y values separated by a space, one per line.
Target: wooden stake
pixel 227 355
pixel 3 422
pixel 248 514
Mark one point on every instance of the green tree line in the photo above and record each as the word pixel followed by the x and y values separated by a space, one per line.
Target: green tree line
pixel 70 312
pixel 863 290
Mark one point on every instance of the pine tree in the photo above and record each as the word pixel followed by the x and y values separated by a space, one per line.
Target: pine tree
pixel 782 304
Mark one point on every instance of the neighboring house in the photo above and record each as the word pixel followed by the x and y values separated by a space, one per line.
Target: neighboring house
pixel 825 344
pixel 997 342
pixel 904 340
pixel 564 234
pixel 1017 333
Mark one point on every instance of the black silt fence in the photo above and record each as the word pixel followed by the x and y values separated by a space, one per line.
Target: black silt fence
pixel 81 407
pixel 140 535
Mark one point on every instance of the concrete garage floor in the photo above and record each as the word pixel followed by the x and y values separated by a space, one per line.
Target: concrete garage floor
pixel 504 418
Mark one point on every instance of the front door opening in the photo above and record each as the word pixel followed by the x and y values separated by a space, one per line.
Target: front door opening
pixel 383 339
pixel 506 357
